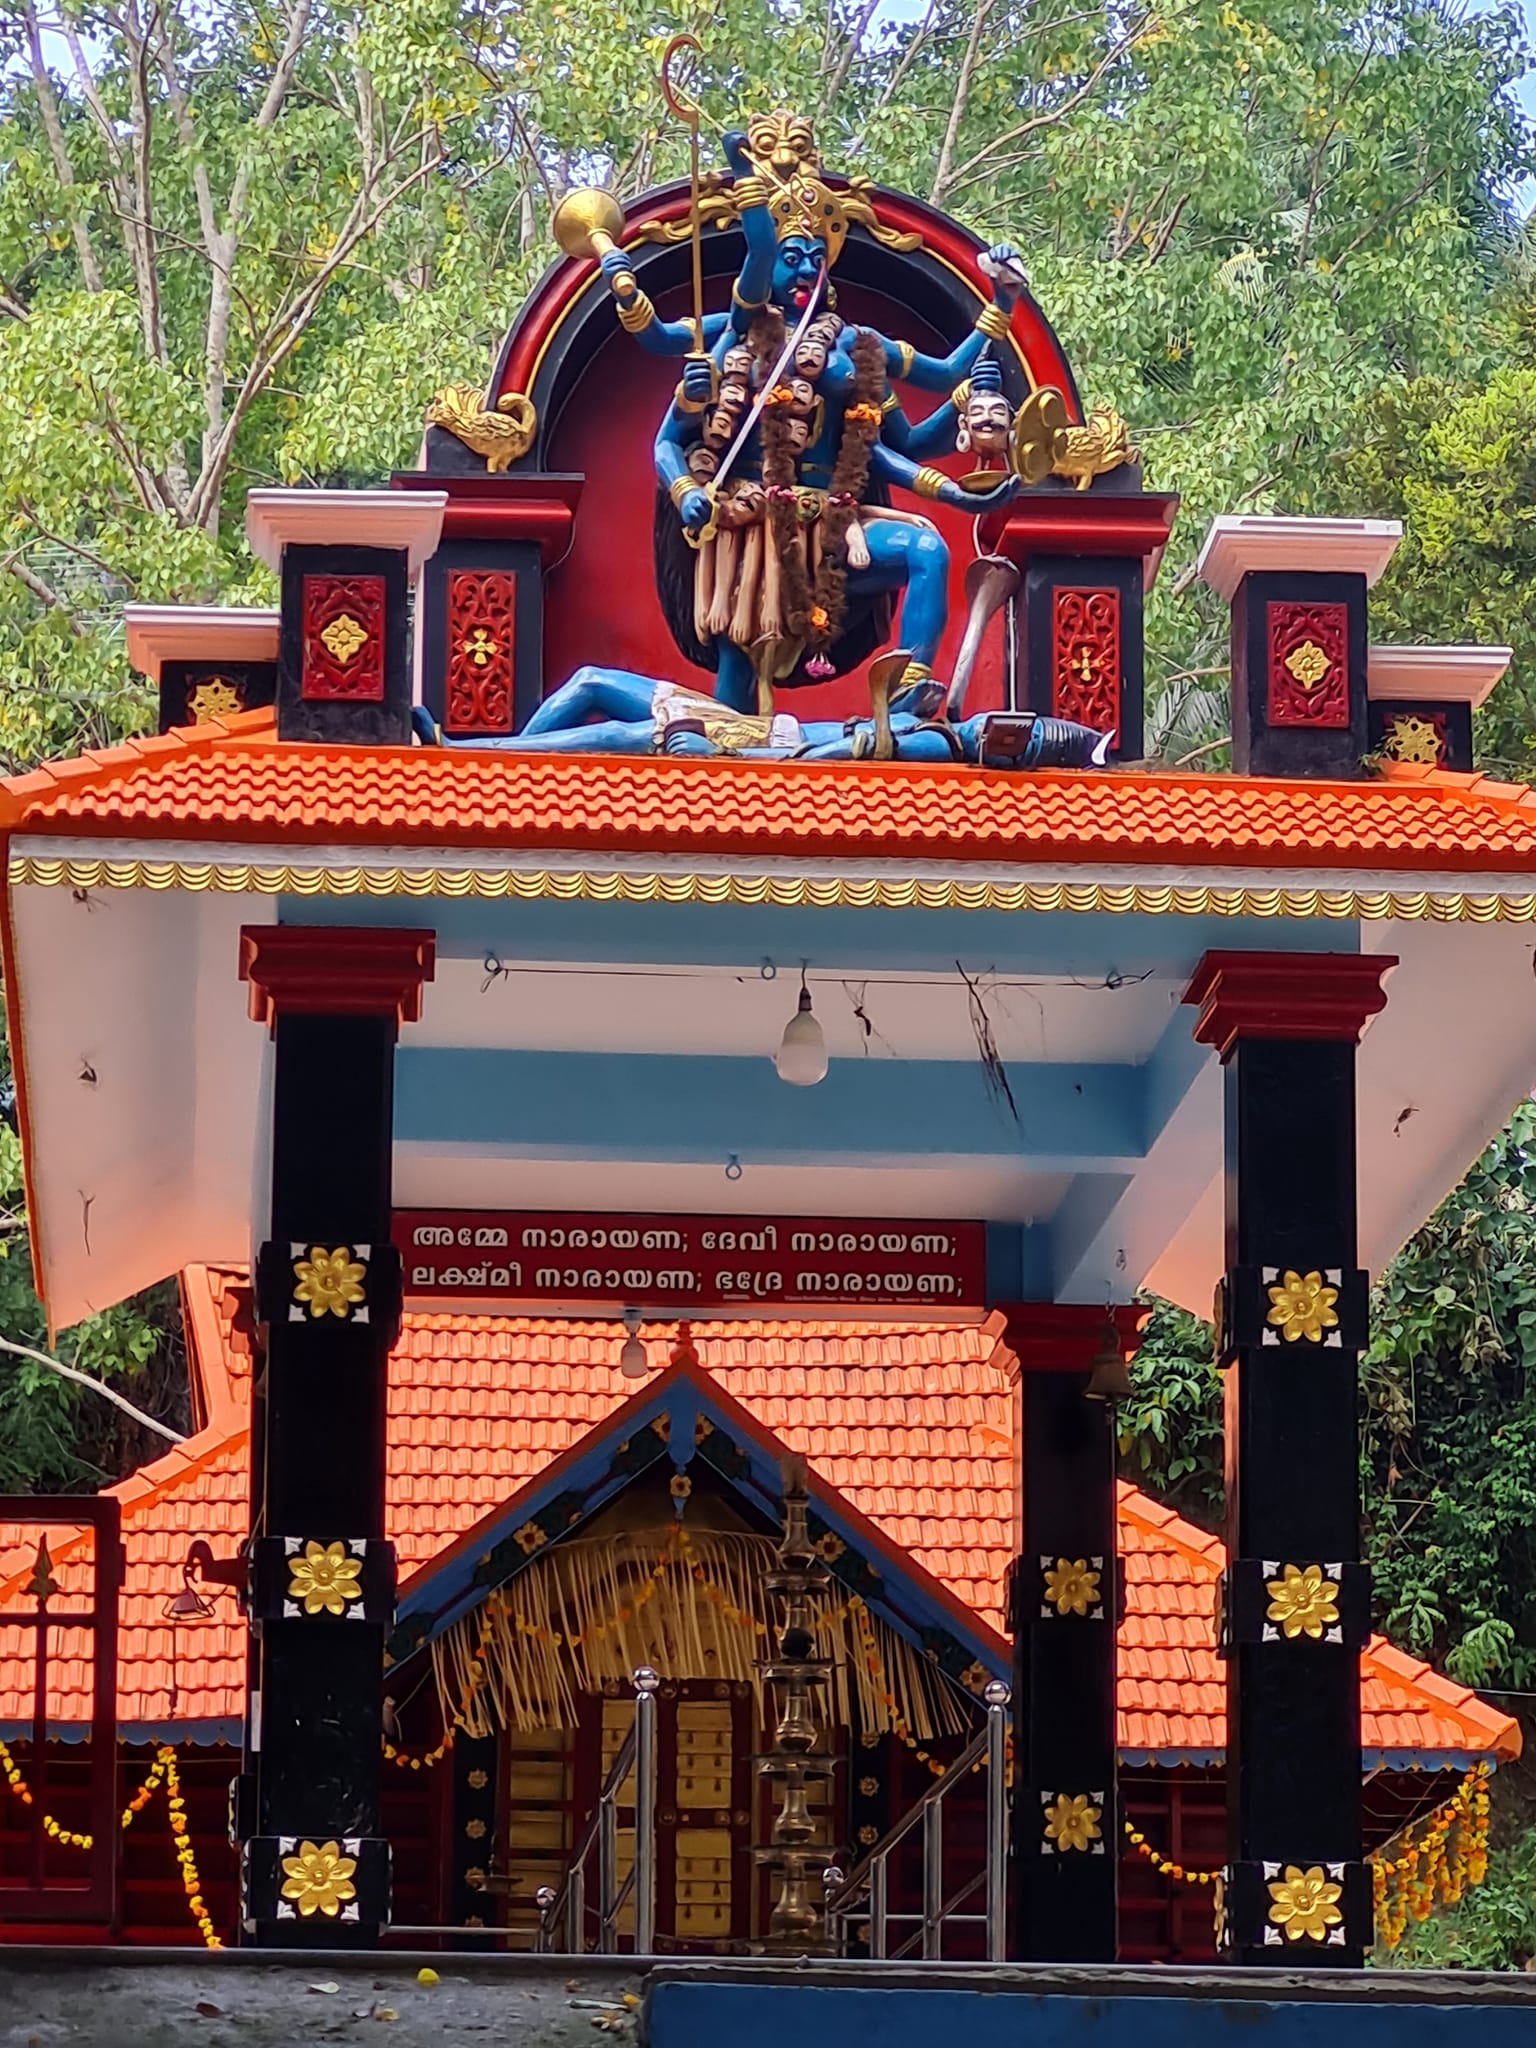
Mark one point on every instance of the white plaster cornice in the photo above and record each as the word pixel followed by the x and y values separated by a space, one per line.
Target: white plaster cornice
pixel 412 520
pixel 1237 546
pixel 158 633
pixel 1441 675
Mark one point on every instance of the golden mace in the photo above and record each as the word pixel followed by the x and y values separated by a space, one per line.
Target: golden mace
pixel 589 222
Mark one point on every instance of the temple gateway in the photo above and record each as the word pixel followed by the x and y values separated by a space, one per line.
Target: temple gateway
pixel 668 1030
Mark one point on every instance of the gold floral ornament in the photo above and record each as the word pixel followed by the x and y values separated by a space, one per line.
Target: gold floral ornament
pixel 213 698
pixel 1305 1903
pixel 829 1548
pixel 324 1578
pixel 529 1538
pixel 1071 1586
pixel 480 646
pixel 1072 1822
pixel 1303 1602
pixel 319 1879
pixel 329 1283
pixel 1410 738
pixel 1302 1306
pixel 344 636
pixel 1308 664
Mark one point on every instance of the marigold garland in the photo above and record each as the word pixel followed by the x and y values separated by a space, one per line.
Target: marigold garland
pixel 402 1759
pixel 1450 1856
pixel 184 1852
pixel 163 1771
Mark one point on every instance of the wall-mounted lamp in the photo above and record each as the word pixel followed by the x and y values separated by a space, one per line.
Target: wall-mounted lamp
pixel 191 1608
pixel 801 1059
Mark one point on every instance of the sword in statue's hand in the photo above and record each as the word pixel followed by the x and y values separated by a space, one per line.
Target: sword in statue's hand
pixel 711 489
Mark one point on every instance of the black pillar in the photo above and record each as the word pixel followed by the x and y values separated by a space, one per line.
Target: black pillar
pixel 1293 1316
pixel 1066 1827
pixel 314 1864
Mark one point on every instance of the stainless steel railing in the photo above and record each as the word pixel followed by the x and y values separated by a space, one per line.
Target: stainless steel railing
pixel 863 1895
pixel 564 1909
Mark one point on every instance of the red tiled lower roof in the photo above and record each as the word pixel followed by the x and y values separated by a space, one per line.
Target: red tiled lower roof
pixel 230 780
pixel 913 1425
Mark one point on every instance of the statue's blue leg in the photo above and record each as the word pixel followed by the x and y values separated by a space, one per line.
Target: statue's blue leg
pixel 735 677
pixel 591 693
pixel 606 736
pixel 913 556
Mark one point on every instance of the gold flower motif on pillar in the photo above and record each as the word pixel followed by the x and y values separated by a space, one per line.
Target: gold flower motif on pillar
pixel 1302 1306
pixel 1308 664
pixel 1305 1903
pixel 318 1879
pixel 329 1283
pixel 344 636
pixel 1303 1601
pixel 1071 1822
pixel 1072 1584
pixel 323 1578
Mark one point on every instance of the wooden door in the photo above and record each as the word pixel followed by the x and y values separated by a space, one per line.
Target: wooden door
pixel 704 1816
pixel 704 1746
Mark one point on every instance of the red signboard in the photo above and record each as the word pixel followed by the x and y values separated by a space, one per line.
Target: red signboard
pixel 685 1263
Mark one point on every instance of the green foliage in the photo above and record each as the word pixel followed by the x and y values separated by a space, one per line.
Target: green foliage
pixel 1456 462
pixel 1449 1444
pixel 1170 1430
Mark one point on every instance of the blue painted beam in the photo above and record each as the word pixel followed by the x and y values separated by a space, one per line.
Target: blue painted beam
pixel 1087 946
pixel 667 1108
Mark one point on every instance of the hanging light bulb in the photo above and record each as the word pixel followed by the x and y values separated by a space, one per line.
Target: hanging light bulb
pixel 634 1361
pixel 801 1059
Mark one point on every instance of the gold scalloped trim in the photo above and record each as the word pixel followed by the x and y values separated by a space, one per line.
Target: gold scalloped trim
pixel 852 892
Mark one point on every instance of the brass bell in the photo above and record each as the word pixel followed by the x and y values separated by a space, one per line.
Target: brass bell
pixel 1109 1377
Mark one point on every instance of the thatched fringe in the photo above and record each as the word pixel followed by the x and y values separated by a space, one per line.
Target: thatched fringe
pixel 587 1614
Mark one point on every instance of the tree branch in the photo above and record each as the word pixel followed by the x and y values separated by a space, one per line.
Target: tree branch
pixel 288 325
pixel 1336 263
pixel 1058 114
pixel 941 173
pixel 852 45
pixel 45 593
pixel 64 170
pixel 84 1379
pixel 73 547
pixel 923 31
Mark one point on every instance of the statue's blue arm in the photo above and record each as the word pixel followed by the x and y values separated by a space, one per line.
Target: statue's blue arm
pixel 895 468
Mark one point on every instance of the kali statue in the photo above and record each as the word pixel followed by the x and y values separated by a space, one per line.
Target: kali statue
pixel 779 556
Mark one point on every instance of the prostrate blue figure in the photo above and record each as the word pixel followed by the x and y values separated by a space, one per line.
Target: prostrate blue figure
pixel 604 711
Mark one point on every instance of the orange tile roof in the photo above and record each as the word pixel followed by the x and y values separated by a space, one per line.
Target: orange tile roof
pixel 231 781
pixel 912 1425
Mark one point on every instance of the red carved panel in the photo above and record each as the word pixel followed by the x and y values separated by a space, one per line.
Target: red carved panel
pixel 343 639
pixel 1309 665
pixel 481 642
pixel 1085 657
